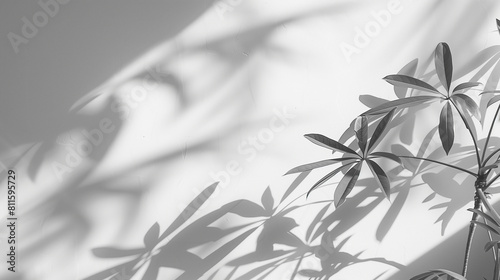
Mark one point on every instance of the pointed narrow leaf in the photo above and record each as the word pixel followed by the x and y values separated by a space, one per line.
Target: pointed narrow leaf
pixel 361 129
pixel 485 216
pixel 318 164
pixel 151 237
pixel 485 226
pixel 267 200
pixel 328 143
pixel 467 102
pixel 446 131
pixel 109 252
pixel 498 25
pixel 190 210
pixel 347 184
pixel 298 180
pixel 400 103
pixel 316 221
pixel 466 85
pixel 493 100
pixel 410 82
pixel 429 197
pixel 328 177
pixel 381 177
pixel 380 128
pixel 390 156
pixel 444 64
pixel 490 245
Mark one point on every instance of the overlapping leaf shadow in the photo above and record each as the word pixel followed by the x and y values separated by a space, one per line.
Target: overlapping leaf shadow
pixel 64 205
pixel 275 227
pixel 276 244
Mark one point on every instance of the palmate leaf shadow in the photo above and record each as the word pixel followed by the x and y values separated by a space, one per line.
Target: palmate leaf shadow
pixel 171 249
pixel 296 249
pixel 62 205
pixel 275 230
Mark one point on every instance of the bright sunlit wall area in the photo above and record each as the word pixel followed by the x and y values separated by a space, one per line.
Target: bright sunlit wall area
pixel 119 116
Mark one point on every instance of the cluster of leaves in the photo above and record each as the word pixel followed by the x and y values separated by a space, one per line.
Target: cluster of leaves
pixel 172 248
pixel 453 101
pixel 352 161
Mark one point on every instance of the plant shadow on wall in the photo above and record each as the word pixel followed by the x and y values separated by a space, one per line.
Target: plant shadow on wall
pixel 363 146
pixel 63 211
pixel 171 248
pixel 187 244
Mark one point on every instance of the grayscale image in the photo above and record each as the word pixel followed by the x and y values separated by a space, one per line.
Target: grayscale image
pixel 249 140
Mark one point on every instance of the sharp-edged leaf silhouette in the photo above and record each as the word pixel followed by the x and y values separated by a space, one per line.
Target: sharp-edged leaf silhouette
pixel 446 130
pixel 267 200
pixel 247 209
pixel 318 164
pixel 380 129
pixel 328 143
pixel 395 209
pixel 151 237
pixel 429 197
pixel 410 82
pixel 190 209
pixel 276 230
pixel 444 64
pixel 381 177
pixel 295 184
pixel 316 221
pixel 346 184
pixel 110 252
pixel 328 177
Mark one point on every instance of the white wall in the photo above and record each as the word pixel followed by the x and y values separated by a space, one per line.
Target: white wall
pixel 216 75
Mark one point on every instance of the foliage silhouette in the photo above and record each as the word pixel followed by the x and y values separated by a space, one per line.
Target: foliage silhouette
pixel 456 102
pixel 363 144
